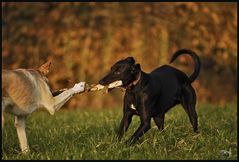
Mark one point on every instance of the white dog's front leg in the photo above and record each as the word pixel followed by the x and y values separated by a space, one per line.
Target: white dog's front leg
pixel 3 120
pixel 21 133
pixel 62 98
pixel 3 108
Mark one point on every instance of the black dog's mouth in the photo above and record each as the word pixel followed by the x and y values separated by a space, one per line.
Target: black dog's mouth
pixel 121 84
pixel 111 86
pixel 116 83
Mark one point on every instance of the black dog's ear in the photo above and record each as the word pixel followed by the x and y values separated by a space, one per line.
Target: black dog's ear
pixel 130 60
pixel 136 68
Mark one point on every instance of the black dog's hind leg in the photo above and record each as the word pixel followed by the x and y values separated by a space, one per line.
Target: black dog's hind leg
pixel 159 121
pixel 188 103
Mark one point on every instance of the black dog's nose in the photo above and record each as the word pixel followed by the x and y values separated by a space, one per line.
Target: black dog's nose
pixel 101 82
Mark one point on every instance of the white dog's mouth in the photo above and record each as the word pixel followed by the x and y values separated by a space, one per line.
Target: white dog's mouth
pixel 112 85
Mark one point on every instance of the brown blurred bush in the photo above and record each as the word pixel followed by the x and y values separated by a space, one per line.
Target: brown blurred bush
pixel 85 38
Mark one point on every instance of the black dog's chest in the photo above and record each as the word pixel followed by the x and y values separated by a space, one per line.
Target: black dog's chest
pixel 131 100
pixel 135 102
pixel 132 106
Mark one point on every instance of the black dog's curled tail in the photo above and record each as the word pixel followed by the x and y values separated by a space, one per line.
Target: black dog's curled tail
pixel 195 59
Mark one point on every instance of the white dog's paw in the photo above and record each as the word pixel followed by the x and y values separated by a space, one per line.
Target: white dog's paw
pixel 79 87
pixel 25 150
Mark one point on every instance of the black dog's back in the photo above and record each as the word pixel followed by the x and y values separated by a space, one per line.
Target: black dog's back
pixel 167 73
pixel 169 80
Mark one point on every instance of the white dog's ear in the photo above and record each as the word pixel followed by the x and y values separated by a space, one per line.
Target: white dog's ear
pixel 45 68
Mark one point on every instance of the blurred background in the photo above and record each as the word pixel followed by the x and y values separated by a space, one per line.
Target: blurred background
pixel 85 38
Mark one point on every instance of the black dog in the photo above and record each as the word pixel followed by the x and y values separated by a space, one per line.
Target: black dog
pixel 153 94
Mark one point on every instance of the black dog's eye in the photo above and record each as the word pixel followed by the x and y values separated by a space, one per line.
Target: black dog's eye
pixel 117 71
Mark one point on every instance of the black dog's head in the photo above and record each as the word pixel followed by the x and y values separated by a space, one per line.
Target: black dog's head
pixel 125 70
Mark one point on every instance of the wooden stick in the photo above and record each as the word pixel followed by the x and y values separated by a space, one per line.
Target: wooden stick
pixel 98 87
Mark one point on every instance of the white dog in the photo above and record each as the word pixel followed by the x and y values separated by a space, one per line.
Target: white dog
pixel 26 90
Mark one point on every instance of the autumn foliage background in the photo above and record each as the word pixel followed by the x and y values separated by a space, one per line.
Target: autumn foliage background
pixel 85 38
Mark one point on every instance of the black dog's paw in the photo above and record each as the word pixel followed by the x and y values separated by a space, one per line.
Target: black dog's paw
pixel 196 131
pixel 118 138
pixel 130 142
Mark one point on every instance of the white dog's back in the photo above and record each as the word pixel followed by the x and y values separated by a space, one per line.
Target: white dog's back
pixel 21 90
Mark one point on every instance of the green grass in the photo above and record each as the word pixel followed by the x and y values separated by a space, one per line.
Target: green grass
pixel 78 134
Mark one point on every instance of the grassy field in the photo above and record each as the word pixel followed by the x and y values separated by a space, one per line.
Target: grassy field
pixel 78 134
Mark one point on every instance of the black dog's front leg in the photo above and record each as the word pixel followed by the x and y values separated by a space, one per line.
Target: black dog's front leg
pixel 129 99
pixel 143 128
pixel 124 124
